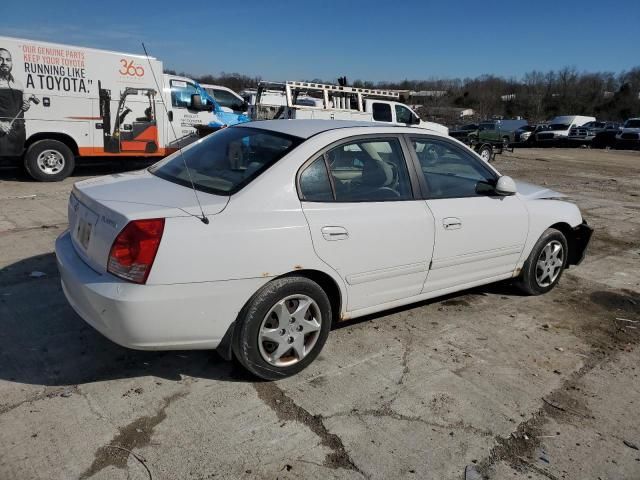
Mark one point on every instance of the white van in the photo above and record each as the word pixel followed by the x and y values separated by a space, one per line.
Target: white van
pixel 559 127
pixel 304 100
pixel 58 102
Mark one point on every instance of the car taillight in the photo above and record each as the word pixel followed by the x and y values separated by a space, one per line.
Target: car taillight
pixel 134 249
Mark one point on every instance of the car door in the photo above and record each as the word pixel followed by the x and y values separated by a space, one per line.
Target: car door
pixel 365 222
pixel 478 235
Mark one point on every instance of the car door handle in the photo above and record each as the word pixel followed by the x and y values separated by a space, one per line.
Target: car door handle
pixel 334 233
pixel 451 223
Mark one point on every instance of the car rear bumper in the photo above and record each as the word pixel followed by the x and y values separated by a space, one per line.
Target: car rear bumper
pixel 151 317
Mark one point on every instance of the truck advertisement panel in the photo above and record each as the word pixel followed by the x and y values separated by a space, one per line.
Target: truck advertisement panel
pixel 104 101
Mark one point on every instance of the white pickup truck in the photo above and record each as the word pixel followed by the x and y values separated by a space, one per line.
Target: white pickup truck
pixel 559 128
pixel 307 100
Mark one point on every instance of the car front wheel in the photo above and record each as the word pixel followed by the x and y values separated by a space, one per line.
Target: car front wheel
pixel 283 328
pixel 543 269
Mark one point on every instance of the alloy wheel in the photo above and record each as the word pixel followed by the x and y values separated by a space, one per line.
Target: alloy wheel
pixel 289 331
pixel 549 263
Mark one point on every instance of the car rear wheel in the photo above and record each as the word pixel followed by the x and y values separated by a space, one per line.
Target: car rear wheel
pixel 283 328
pixel 548 259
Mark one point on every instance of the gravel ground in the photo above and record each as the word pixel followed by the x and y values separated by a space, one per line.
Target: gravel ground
pixel 487 381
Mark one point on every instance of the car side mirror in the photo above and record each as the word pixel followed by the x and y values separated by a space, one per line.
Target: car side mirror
pixel 196 102
pixel 505 186
pixel 415 120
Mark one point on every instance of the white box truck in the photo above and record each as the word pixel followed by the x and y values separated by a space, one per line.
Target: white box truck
pixel 292 99
pixel 58 102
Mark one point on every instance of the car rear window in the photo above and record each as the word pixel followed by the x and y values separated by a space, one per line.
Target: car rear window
pixel 226 161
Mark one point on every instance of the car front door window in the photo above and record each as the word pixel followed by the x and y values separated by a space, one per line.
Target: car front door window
pixel 449 171
pixel 181 92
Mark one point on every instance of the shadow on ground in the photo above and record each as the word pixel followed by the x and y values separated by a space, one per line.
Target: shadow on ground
pixel 44 342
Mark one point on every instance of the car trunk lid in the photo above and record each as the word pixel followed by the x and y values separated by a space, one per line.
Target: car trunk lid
pixel 99 209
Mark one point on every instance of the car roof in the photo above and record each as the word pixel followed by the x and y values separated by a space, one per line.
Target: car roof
pixel 306 128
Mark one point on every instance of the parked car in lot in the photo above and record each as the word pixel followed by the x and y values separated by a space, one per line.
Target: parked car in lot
pixel 462 132
pixel 629 135
pixel 497 131
pixel 585 134
pixel 604 139
pixel 559 128
pixel 527 133
pixel 277 229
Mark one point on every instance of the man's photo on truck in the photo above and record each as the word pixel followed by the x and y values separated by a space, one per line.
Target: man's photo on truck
pixel 13 104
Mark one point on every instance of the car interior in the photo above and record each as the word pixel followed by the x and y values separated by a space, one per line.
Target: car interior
pixel 369 170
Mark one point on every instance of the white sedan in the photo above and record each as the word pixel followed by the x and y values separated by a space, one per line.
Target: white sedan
pixel 257 238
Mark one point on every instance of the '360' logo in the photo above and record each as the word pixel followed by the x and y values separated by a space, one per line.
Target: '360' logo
pixel 131 70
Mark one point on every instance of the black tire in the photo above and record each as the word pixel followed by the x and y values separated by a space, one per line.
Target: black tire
pixel 247 345
pixel 486 153
pixel 529 281
pixel 43 151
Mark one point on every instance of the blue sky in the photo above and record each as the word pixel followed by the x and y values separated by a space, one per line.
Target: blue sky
pixel 371 40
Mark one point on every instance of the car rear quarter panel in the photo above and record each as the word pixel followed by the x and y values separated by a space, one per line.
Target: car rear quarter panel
pixel 262 233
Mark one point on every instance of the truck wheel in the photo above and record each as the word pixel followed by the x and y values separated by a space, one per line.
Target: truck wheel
pixel 486 153
pixel 49 161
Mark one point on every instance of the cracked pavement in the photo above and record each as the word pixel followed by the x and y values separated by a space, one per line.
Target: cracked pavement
pixel 485 380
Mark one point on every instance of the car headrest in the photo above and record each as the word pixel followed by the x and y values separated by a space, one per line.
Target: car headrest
pixel 376 173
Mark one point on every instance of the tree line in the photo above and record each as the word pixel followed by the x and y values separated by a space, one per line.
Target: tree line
pixel 536 96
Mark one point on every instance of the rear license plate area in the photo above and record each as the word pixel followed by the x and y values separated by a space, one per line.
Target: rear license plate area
pixel 85 222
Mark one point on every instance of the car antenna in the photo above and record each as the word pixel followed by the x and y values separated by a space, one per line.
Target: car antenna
pixel 203 217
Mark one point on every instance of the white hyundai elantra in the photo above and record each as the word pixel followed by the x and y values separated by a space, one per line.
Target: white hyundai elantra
pixel 257 238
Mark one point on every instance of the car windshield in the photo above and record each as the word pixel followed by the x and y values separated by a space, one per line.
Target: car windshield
pixel 558 126
pixel 226 161
pixel 632 124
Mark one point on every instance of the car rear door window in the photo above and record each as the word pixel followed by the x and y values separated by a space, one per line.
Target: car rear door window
pixel 369 170
pixel 449 171
pixel 382 112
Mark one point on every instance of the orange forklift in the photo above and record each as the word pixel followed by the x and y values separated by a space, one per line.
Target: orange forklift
pixel 141 135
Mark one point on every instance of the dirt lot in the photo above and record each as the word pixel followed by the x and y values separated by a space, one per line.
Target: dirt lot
pixel 486 381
